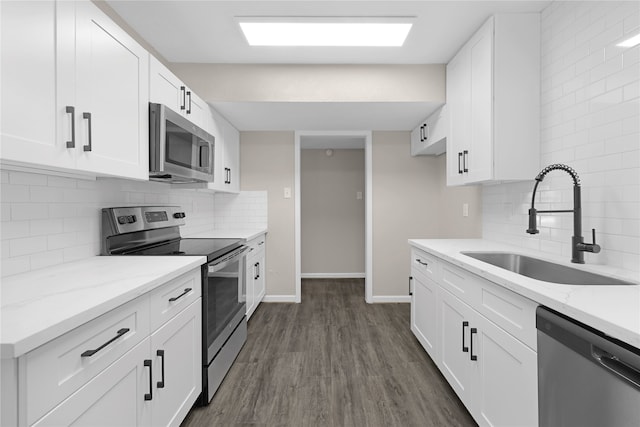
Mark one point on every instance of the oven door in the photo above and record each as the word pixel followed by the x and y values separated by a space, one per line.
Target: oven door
pixel 224 299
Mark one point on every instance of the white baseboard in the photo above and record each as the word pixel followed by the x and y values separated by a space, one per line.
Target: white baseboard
pixel 332 275
pixel 389 298
pixel 279 298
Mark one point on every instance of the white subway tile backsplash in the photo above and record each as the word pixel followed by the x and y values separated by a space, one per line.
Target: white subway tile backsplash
pixel 47 219
pixel 596 132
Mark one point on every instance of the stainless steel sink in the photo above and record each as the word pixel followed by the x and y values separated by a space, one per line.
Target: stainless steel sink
pixel 543 270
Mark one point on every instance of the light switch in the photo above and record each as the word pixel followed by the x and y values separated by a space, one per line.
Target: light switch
pixel 287 192
pixel 465 209
pixel 359 195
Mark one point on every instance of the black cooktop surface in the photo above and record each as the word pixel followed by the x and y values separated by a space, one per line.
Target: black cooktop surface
pixel 211 248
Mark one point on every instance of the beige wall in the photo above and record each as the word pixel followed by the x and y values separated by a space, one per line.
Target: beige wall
pixel 332 218
pixel 314 83
pixel 410 200
pixel 267 163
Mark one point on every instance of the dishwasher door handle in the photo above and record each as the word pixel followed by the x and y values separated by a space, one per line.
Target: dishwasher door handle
pixel 618 367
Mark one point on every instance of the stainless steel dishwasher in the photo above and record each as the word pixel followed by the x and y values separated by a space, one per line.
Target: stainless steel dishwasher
pixel 585 378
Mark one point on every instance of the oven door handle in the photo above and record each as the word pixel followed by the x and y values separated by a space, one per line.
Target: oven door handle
pixel 233 257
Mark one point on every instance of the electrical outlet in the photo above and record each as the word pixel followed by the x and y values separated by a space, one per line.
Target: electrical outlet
pixel 287 192
pixel 359 195
pixel 465 209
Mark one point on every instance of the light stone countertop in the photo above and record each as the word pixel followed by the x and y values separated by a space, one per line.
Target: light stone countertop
pixel 614 310
pixel 246 234
pixel 41 305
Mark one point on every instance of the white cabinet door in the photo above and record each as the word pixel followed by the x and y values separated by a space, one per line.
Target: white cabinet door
pixel 112 97
pixel 458 101
pixel 479 159
pixel 260 284
pixel 423 313
pixel 35 84
pixel 227 155
pixel 165 88
pixel 116 397
pixel 455 320
pixel 506 383
pixel 176 351
pixel 251 279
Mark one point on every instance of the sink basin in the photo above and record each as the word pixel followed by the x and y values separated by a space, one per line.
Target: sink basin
pixel 543 270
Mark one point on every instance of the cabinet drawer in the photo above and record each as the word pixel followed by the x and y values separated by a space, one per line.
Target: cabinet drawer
pixel 512 312
pixel 461 283
pixel 173 297
pixel 426 264
pixel 55 370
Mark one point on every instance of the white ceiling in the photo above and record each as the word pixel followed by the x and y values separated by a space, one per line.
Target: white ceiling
pixel 206 31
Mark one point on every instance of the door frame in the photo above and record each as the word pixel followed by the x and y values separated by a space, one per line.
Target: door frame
pixel 368 257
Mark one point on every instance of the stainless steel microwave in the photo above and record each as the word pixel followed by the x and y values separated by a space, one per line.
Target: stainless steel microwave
pixel 179 151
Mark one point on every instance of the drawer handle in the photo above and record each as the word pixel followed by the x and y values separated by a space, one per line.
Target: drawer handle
pixel 473 331
pixel 261 243
pixel 410 279
pixel 186 291
pixel 90 353
pixel 161 354
pixel 465 349
pixel 421 262
pixel 149 396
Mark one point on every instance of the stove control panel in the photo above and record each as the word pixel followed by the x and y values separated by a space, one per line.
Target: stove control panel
pixel 129 219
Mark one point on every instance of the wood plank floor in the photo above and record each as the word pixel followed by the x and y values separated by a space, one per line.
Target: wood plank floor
pixel 332 360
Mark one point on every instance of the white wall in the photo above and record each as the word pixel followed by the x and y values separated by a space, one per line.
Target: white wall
pixel 590 119
pixel 47 220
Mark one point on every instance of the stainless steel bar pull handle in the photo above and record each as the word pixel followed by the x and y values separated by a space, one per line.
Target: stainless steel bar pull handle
pixel 71 110
pixel 186 291
pixel 120 333
pixel 459 160
pixel 410 279
pixel 87 116
pixel 465 153
pixel 184 97
pixel 149 396
pixel 160 353
pixel 465 349
pixel 189 95
pixel 473 331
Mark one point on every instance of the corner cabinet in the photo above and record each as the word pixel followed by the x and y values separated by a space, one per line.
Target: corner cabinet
pixel 227 154
pixel 429 138
pixel 137 365
pixel 255 272
pixel 74 91
pixel 493 99
pixel 481 336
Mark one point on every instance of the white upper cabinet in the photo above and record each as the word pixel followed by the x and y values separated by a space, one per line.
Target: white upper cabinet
pixel 429 138
pixel 166 88
pixel 227 154
pixel 493 98
pixel 75 90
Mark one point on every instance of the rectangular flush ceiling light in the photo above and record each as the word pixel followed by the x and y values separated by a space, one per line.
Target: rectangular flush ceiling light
pixel 314 31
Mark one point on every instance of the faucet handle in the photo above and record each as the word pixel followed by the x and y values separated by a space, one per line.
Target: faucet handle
pixel 593 247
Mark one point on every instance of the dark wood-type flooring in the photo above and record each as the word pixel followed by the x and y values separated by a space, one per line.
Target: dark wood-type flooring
pixel 332 360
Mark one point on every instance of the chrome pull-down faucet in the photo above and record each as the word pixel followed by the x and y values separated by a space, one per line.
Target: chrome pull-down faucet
pixel 578 247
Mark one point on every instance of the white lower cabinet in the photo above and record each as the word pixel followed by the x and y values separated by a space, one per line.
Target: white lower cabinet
pixel 255 272
pixel 117 371
pixel 423 312
pixel 493 372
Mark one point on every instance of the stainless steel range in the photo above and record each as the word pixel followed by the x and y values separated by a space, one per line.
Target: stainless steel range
pixel 155 230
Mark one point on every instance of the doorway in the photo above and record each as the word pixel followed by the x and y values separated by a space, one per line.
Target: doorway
pixel 324 147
